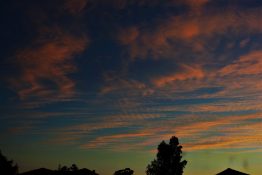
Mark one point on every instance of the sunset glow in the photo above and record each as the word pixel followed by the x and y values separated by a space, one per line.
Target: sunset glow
pixel 101 83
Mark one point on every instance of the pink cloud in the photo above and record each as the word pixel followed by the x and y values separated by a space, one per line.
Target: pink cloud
pixel 45 66
pixel 249 64
pixel 115 84
pixel 192 29
pixel 111 139
pixel 187 73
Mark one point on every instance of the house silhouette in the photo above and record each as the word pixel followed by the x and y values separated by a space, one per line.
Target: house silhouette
pixel 44 171
pixel 230 171
pixel 40 171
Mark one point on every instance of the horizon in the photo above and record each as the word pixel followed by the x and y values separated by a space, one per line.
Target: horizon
pixel 100 83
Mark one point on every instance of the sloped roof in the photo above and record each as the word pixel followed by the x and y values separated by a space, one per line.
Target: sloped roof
pixel 230 171
pixel 40 171
pixel 44 171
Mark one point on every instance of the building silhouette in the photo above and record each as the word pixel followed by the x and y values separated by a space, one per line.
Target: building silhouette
pixel 230 171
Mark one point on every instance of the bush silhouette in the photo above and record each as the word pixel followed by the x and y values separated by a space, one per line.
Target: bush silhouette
pixel 168 161
pixel 7 167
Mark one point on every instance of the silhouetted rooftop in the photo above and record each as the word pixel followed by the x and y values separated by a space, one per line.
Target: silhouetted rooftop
pixel 230 171
pixel 40 171
pixel 44 171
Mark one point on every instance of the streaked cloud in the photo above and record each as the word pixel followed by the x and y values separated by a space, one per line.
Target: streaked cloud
pixel 122 84
pixel 154 69
pixel 111 139
pixel 163 38
pixel 187 73
pixel 45 66
pixel 249 64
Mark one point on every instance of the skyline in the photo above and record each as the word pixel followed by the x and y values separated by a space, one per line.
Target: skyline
pixel 101 83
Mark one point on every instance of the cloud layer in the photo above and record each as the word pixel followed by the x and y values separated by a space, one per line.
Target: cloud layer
pixel 46 65
pixel 123 75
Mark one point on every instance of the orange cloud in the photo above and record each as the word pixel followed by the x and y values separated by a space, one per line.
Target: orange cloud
pixel 250 141
pixel 113 85
pixel 195 128
pixel 242 136
pixel 129 35
pixel 45 66
pixel 111 139
pixel 73 133
pixel 235 130
pixel 187 73
pixel 156 41
pixel 249 64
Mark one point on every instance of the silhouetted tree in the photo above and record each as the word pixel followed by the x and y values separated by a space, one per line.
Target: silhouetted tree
pixel 74 170
pixel 168 161
pixel 74 167
pixel 64 169
pixel 7 167
pixel 126 171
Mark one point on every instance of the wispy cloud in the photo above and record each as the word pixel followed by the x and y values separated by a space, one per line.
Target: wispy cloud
pixel 44 67
pixel 195 74
pixel 249 64
pixel 163 38
pixel 187 72
pixel 121 84
pixel 112 139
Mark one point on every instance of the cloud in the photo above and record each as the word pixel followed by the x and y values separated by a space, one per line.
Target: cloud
pixel 74 133
pixel 196 133
pixel 233 132
pixel 157 112
pixel 230 132
pixel 187 73
pixel 225 106
pixel 128 35
pixel 240 88
pixel 117 84
pixel 249 64
pixel 237 141
pixel 122 84
pixel 198 127
pixel 166 36
pixel 111 139
pixel 45 66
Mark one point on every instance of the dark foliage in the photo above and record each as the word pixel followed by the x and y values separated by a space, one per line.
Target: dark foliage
pixel 126 171
pixel 74 170
pixel 169 159
pixel 7 167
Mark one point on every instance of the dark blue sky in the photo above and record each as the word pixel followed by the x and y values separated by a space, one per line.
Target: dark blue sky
pixel 100 83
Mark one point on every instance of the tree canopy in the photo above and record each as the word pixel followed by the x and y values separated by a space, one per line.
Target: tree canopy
pixel 7 167
pixel 169 159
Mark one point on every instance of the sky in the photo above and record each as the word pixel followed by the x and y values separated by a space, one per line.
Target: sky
pixel 101 83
